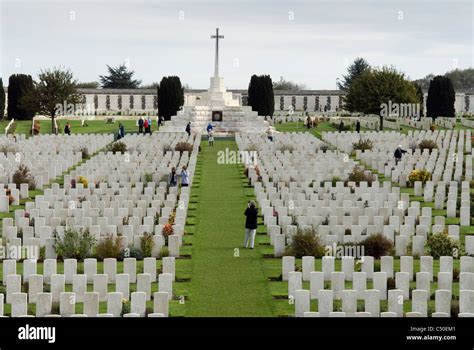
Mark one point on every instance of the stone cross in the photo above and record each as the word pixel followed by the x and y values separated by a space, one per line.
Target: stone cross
pixel 216 61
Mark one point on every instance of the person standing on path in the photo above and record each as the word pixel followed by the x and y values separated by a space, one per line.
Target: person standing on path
pixel 173 181
pixel 140 125
pixel 184 176
pixel 188 128
pixel 149 124
pixel 358 126
pixel 251 214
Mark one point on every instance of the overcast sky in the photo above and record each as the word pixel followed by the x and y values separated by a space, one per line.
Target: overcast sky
pixel 309 42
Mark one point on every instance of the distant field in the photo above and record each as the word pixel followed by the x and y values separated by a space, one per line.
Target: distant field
pixel 93 126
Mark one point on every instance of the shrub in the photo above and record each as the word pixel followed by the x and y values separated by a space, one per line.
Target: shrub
pixel 377 245
pixel 167 148
pixel 284 148
pixel 116 147
pixel 131 252
pixel 422 175
pixel 305 243
pixel 12 129
pixel 125 307
pixel 183 147
pixel 164 252
pixel 23 176
pixel 74 244
pixel 324 148
pixel 363 145
pixel 148 177
pixel 146 244
pixel 440 244
pixel 84 152
pixel 335 179
pixel 358 175
pixel 252 148
pixel 109 247
pixel 427 144
pixel 82 180
pixel 167 230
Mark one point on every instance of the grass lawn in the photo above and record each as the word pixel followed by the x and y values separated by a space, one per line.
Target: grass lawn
pixel 226 279
pixel 94 126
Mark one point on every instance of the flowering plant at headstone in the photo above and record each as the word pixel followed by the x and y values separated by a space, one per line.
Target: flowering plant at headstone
pixel 83 181
pixel 167 230
pixel 422 175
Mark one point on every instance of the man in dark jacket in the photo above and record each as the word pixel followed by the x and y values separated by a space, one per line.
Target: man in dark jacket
pixel 250 224
pixel 358 126
pixel 398 154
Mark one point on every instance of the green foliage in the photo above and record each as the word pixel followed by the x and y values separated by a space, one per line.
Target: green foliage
pixel 164 252
pixel 54 88
pixel 75 244
pixel 2 99
pixel 422 175
pixel 377 245
pixel 358 175
pixel 183 146
pixel 305 243
pixel 23 176
pixel 440 244
pixel 170 96
pixel 148 177
pixel 117 146
pixel 125 307
pixel 427 144
pixel 354 71
pixel 287 85
pixel 146 244
pixel 260 95
pixel 19 86
pixel 119 78
pixel 363 145
pixel 131 252
pixel 375 87
pixel 109 247
pixel 440 100
pixel 463 79
pixel 88 85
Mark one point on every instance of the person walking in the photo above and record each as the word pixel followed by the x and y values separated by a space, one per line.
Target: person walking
pixel 211 139
pixel 149 124
pixel 160 121
pixel 251 214
pixel 270 133
pixel 341 126
pixel 67 129
pixel 121 132
pixel 184 176
pixel 358 126
pixel 140 125
pixel 209 128
pixel 145 126
pixel 188 128
pixel 398 154
pixel 173 180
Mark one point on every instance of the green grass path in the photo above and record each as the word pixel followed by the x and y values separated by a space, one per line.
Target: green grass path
pixel 221 283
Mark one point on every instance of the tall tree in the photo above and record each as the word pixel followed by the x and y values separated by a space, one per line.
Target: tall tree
pixel 170 96
pixel 260 95
pixel 19 85
pixel 288 85
pixel 55 89
pixel 421 98
pixel 378 87
pixel 440 100
pixel 119 78
pixel 354 71
pixel 2 99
